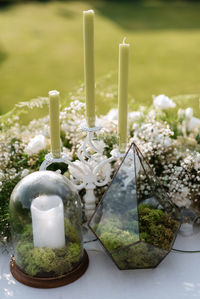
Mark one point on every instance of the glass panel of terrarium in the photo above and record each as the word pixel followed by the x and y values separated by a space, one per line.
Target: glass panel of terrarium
pixel 138 256
pixel 116 219
pixel 151 191
pixel 157 224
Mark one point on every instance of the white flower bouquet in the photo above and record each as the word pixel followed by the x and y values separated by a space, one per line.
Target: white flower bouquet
pixel 167 133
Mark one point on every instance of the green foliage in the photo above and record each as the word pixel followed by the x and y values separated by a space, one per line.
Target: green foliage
pixel 19 217
pixel 109 224
pixel 158 227
pixel 71 232
pixel 198 138
pixel 117 238
pixel 130 249
pixel 45 261
pixel 22 109
pixel 110 141
pixel 36 160
pixel 66 142
pixel 4 210
pixel 55 166
pixel 113 235
pixel 153 29
pixel 138 256
pixel 16 161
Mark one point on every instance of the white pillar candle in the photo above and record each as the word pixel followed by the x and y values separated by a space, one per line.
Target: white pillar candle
pixel 48 221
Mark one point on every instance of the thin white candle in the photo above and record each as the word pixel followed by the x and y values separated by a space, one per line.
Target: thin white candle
pixel 48 221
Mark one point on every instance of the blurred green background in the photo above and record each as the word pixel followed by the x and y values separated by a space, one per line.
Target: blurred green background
pixel 41 47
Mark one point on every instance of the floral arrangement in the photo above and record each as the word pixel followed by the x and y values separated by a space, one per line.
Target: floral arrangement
pixel 167 133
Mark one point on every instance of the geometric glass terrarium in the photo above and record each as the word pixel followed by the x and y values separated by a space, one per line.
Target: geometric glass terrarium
pixel 45 215
pixel 135 221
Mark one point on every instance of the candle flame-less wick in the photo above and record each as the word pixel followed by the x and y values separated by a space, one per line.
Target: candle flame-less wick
pixel 124 40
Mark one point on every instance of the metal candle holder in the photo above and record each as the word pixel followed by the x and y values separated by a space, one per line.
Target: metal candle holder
pixel 86 176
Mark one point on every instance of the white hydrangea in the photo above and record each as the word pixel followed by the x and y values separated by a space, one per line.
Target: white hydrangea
pixel 35 145
pixel 163 102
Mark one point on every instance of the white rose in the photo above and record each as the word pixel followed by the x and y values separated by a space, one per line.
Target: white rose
pixel 112 114
pixel 35 145
pixel 188 113
pixel 193 124
pixel 135 115
pixel 163 102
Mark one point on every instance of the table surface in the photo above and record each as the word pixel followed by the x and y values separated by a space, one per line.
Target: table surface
pixel 178 276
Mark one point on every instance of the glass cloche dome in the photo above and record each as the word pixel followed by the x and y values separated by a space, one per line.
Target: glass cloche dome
pixel 45 214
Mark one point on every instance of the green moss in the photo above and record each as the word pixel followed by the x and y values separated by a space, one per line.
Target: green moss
pixel 108 225
pixel 28 233
pixel 113 235
pixel 156 227
pixel 138 256
pixel 44 261
pixel 71 233
pixel 117 239
pixel 131 249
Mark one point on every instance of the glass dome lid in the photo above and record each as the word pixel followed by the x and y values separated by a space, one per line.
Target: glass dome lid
pixel 45 217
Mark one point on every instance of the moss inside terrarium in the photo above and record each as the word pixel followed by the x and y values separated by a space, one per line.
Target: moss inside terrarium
pixel 139 239
pixel 46 262
pixel 138 256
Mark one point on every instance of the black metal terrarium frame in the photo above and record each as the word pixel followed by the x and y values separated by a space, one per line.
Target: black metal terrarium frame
pixel 162 198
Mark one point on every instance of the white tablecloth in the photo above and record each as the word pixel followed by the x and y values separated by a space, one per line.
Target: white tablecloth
pixel 178 276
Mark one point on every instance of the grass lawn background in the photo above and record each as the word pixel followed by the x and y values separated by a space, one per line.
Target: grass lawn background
pixel 41 48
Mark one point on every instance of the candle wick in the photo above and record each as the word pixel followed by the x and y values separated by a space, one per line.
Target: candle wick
pixel 124 40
